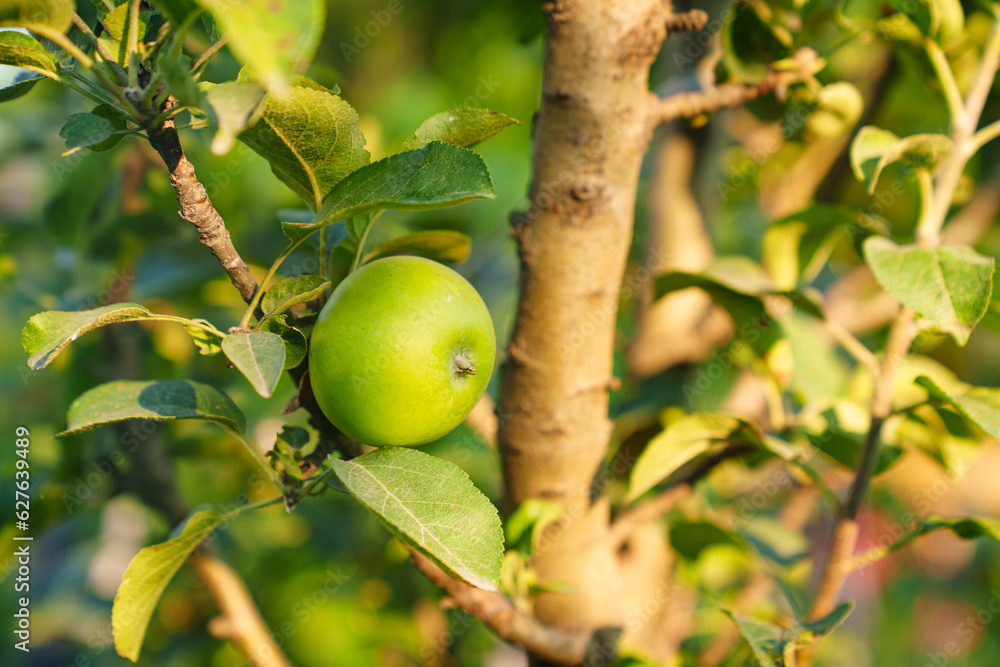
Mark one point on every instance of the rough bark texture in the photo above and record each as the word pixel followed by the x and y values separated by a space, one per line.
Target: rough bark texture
pixel 497 611
pixel 197 208
pixel 590 136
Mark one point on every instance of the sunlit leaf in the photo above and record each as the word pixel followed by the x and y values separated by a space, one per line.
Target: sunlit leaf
pixel 461 127
pixel 949 286
pixel 432 504
pixel 147 577
pixel 275 38
pixel 20 50
pixel 311 139
pixel 259 355
pixel 980 404
pixel 435 176
pixel 160 401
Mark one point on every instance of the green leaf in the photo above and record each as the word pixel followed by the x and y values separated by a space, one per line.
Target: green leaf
pixel 764 639
pixel 845 446
pixel 208 343
pixel 18 89
pixel 20 50
pixel 178 80
pixel 749 44
pixel 275 39
pixel 440 245
pixel 290 447
pixel 682 441
pixel 979 404
pixel 57 14
pixel 435 176
pixel 736 285
pixel 941 20
pixel 830 622
pixel 796 247
pixel 966 527
pixel 99 130
pixel 235 106
pixel 296 232
pixel 460 127
pixel 176 11
pixel 114 37
pixel 949 286
pixel 311 139
pixel 357 226
pixel 770 643
pixel 259 355
pixel 524 527
pixel 46 334
pixel 147 577
pixel 292 291
pixel 874 149
pixel 294 340
pixel 433 505
pixel 867 149
pixel 170 399
pixel 690 538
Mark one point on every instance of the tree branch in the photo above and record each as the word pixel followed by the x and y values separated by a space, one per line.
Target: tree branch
pixel 498 612
pixel 725 96
pixel 728 95
pixel 197 208
pixel 591 133
pixel 240 621
pixel 692 20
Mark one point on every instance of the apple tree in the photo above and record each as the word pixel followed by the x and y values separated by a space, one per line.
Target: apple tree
pixel 654 407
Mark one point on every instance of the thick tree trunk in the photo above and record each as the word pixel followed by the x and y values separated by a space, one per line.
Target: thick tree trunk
pixel 590 136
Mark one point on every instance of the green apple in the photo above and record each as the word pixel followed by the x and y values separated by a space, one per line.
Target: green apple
pixel 401 352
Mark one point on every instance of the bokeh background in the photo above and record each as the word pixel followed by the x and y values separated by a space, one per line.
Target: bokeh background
pixel 95 228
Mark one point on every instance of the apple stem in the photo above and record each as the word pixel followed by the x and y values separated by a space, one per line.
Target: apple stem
pixel 463 366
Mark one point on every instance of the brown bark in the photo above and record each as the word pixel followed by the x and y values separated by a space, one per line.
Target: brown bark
pixel 724 96
pixel 197 208
pixel 689 21
pixel 591 133
pixel 498 612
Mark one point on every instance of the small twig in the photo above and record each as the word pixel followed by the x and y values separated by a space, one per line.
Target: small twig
pixel 854 347
pixel 197 208
pixel 498 612
pixel 728 95
pixel 240 622
pixel 692 20
pixel 203 58
pixel 944 74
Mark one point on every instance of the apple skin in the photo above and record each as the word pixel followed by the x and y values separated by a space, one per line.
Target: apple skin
pixel 391 349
